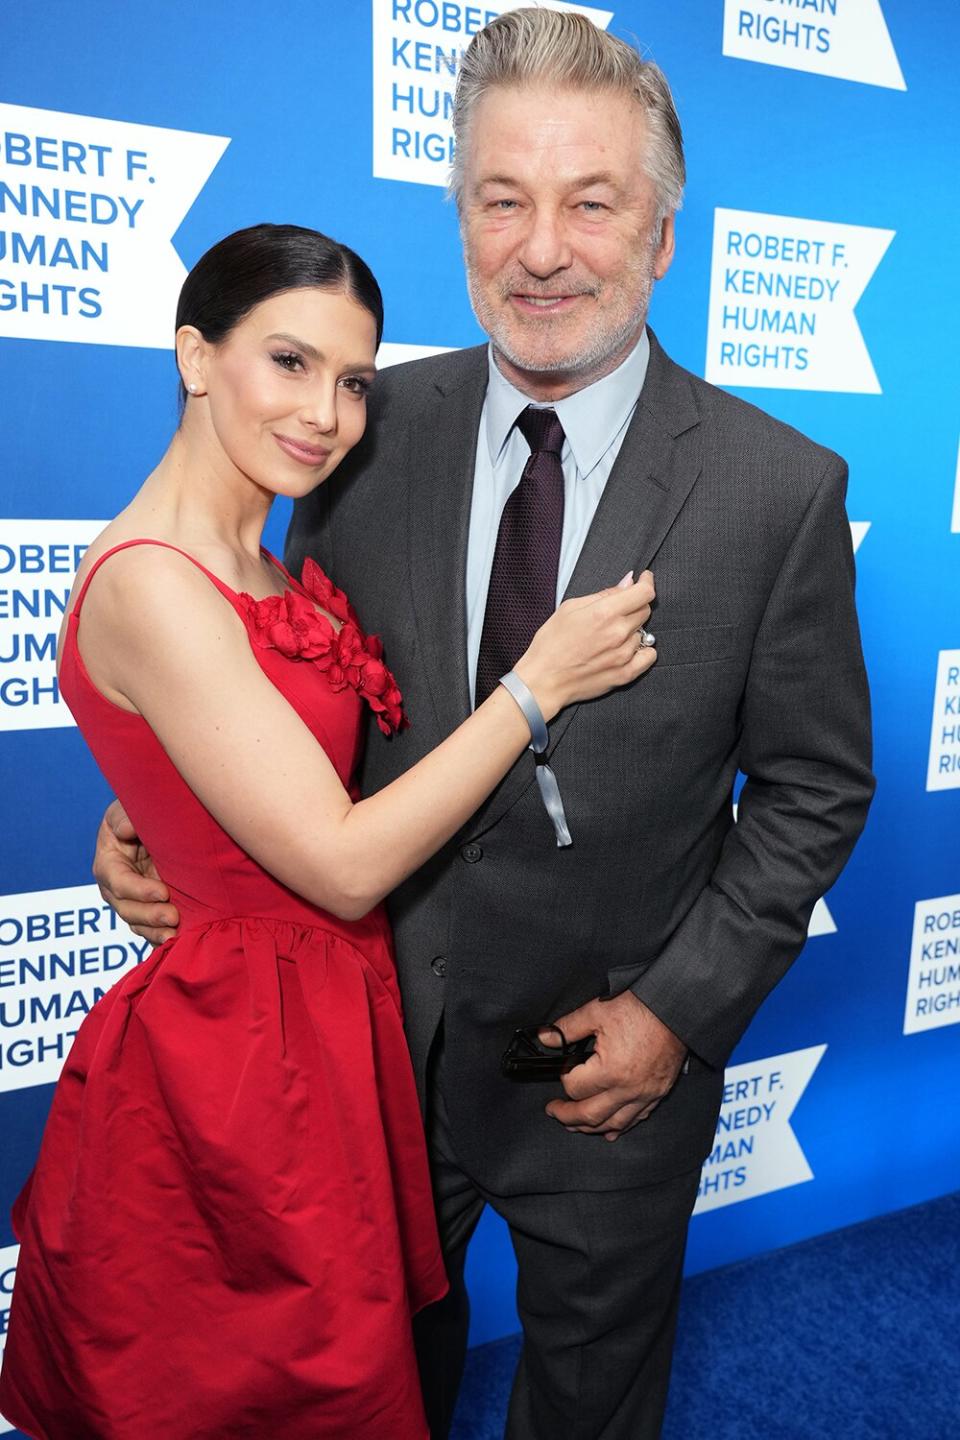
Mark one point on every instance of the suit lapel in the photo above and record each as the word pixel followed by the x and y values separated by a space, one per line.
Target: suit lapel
pixel 657 467
pixel 441 463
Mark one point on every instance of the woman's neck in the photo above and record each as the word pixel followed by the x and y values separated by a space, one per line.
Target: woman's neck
pixel 198 497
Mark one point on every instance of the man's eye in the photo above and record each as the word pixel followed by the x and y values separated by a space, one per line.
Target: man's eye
pixel 592 205
pixel 288 359
pixel 504 204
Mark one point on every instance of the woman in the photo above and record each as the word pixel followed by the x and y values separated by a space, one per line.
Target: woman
pixel 230 1222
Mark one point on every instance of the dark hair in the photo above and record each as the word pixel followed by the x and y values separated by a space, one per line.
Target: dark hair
pixel 250 265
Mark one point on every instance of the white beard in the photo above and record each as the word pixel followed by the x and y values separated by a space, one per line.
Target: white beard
pixel 597 350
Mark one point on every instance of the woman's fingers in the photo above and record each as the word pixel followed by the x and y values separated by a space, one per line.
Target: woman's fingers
pixel 642 591
pixel 623 596
pixel 601 636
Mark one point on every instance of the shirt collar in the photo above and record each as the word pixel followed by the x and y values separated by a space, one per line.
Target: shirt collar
pixel 592 418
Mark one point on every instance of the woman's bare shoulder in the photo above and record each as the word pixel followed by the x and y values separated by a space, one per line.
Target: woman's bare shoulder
pixel 122 530
pixel 152 579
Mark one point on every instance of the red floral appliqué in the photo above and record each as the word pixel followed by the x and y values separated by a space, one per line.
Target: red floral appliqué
pixel 291 624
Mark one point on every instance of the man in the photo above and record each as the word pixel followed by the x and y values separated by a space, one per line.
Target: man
pixel 663 925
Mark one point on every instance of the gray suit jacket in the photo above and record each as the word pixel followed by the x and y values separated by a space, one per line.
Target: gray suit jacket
pixel 742 521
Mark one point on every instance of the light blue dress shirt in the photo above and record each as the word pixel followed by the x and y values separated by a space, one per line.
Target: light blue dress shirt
pixel 594 422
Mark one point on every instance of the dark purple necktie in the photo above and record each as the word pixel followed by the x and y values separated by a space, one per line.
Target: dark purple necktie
pixel 523 580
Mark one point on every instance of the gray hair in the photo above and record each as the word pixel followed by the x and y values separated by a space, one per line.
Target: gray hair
pixel 534 46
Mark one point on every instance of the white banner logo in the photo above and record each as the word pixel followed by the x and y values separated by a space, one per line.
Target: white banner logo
pixel 60 951
pixel 943 767
pixel 88 210
pixel 847 39
pixel 9 1255
pixel 821 921
pixel 755 1150
pixel 933 988
pixel 782 296
pixel 417 48
pixel 858 532
pixel 397 353
pixel 38 560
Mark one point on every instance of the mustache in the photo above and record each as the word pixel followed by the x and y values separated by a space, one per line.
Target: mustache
pixel 544 290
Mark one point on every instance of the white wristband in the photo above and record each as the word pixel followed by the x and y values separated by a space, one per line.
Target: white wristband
pixel 525 698
pixel 539 740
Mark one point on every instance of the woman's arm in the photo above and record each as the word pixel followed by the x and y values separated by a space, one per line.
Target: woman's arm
pixel 156 636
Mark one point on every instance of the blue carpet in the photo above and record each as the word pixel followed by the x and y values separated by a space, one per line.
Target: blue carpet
pixel 850 1336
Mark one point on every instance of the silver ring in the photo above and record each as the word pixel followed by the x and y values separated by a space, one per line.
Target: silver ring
pixel 647 641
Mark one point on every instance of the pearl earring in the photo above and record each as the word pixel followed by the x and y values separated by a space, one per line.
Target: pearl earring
pixel 192 389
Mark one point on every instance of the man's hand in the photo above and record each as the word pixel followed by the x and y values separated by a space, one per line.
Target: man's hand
pixel 635 1064
pixel 128 879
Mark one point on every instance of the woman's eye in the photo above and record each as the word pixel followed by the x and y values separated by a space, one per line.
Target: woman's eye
pixel 355 384
pixel 288 359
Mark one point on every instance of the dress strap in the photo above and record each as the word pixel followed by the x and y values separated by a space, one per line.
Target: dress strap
pixel 224 589
pixel 282 570
pixel 292 582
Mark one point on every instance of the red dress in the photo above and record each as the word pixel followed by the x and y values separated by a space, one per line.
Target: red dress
pixel 230 1221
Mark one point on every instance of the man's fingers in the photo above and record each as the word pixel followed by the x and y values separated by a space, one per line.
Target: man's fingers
pixel 623 1121
pixel 626 1117
pixel 121 883
pixel 124 872
pixel 117 820
pixel 648 1110
pixel 610 1119
pixel 592 1114
pixel 610 1109
pixel 575 1026
pixel 586 1080
pixel 155 937
pixel 142 917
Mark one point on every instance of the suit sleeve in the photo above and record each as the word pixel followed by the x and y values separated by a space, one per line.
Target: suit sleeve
pixel 806 753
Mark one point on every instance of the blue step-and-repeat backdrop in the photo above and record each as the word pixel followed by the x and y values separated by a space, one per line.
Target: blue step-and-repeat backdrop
pixel 815 275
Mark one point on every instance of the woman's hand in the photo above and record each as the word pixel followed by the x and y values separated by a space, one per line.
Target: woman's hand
pixel 590 645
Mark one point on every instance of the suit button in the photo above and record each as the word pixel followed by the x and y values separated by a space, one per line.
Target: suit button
pixel 472 853
pixel 439 965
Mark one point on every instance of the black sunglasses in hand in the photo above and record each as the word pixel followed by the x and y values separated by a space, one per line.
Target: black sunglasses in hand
pixel 528 1058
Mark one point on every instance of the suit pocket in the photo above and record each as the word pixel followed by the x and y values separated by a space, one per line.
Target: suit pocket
pixel 693 644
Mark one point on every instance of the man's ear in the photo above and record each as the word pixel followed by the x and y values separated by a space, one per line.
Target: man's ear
pixel 666 247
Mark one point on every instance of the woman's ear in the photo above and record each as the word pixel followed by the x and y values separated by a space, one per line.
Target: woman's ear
pixel 192 352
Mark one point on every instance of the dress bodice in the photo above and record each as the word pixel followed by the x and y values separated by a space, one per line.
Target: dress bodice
pixel 326 670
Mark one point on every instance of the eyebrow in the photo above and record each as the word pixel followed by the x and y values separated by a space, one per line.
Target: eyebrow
pixel 315 354
pixel 600 177
pixel 579 182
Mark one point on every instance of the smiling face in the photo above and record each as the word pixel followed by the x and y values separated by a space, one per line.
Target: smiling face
pixel 561 234
pixel 284 393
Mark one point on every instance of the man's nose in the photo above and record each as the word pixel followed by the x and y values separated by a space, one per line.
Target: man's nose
pixel 545 248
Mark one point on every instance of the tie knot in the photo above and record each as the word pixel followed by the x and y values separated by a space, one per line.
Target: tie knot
pixel 541 429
